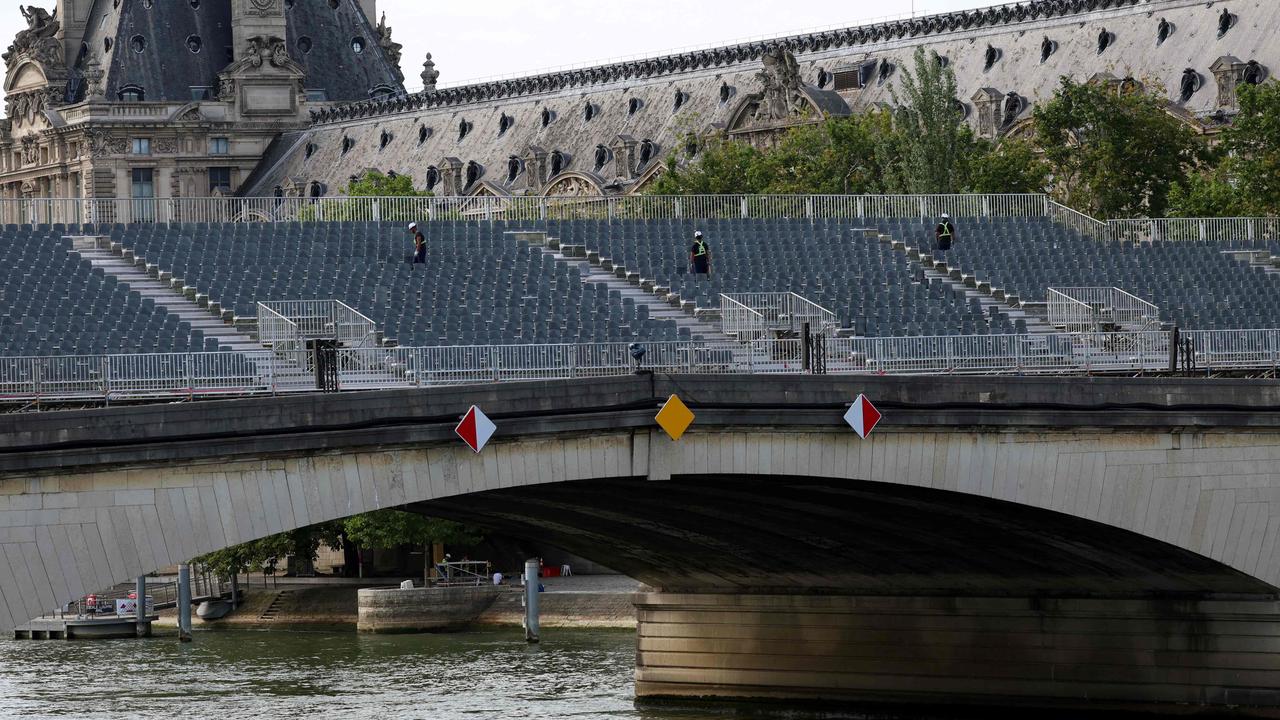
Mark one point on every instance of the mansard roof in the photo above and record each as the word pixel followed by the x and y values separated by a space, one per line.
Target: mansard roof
pixel 729 56
pixel 166 47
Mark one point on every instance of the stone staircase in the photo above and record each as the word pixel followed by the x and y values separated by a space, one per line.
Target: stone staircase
pixel 167 292
pixel 272 611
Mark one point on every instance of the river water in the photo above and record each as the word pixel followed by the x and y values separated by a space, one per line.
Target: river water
pixel 232 674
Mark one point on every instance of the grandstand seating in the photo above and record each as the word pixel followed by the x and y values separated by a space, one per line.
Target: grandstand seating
pixel 52 302
pixel 869 287
pixel 483 287
pixel 478 287
pixel 1195 284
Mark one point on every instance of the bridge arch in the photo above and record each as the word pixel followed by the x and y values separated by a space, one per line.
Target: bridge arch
pixel 97 506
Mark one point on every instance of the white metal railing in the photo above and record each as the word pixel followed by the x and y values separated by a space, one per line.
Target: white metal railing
pixel 1078 221
pixel 1233 231
pixel 739 321
pixel 1068 313
pixel 132 377
pixel 315 319
pixel 110 378
pixel 784 311
pixel 282 335
pixel 1083 309
pixel 403 209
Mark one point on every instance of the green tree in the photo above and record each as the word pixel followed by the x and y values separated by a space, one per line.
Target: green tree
pixel 388 529
pixel 1253 147
pixel 837 157
pixel 266 554
pixel 371 184
pixel 1113 154
pixel 1245 176
pixel 376 184
pixel 932 142
pixel 711 166
pixel 1013 166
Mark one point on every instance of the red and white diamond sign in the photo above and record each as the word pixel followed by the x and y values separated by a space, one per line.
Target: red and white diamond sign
pixel 862 416
pixel 475 429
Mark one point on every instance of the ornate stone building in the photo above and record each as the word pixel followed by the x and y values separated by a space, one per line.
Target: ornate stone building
pixel 294 97
pixel 609 129
pixel 175 98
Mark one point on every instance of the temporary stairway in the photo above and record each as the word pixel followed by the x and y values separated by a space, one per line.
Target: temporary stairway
pixel 630 285
pixel 992 299
pixel 160 286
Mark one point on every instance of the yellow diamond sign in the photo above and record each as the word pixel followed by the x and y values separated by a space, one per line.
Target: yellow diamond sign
pixel 675 417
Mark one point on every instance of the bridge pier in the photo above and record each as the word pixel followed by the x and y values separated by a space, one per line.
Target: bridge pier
pixel 1170 656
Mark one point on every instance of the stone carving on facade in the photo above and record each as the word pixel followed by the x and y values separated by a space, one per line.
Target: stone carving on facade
pixel 988 102
pixel 27 105
pixel 573 186
pixel 101 144
pixel 390 47
pixel 781 98
pixel 264 57
pixel 265 8
pixel 41 27
pixel 30 149
pixel 93 77
pixel 429 74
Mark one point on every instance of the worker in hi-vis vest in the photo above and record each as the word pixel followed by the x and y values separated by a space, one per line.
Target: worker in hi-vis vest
pixel 700 255
pixel 945 234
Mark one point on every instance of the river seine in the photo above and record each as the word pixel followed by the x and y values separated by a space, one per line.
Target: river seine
pixel 233 674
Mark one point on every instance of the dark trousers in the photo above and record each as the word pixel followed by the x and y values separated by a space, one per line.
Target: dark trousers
pixel 420 256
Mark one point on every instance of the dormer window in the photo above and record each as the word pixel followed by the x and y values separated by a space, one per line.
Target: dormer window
pixel 131 93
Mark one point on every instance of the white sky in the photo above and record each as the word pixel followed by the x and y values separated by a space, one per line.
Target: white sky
pixel 491 38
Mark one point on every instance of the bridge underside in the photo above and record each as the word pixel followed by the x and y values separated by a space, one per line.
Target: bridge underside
pixel 800 588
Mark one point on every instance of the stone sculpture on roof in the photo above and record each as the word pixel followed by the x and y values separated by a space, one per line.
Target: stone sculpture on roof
pixel 389 46
pixel 40 25
pixel 780 78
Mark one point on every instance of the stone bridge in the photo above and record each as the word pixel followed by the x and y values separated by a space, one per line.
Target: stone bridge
pixel 1073 542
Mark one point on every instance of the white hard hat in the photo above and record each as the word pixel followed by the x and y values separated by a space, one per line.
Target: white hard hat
pixel 946 216
pixel 413 226
pixel 698 234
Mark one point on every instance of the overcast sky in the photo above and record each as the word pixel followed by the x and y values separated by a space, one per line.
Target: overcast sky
pixel 498 38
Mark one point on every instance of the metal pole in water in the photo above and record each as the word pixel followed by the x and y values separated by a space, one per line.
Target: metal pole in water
pixel 184 603
pixel 531 600
pixel 141 626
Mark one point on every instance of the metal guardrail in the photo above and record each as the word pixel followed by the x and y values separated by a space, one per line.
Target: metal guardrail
pixel 189 376
pixel 780 311
pixel 1078 221
pixel 1243 232
pixel 403 209
pixel 313 320
pixel 1094 309
pixel 739 321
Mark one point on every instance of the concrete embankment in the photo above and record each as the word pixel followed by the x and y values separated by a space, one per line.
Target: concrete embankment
pixel 587 601
pixel 393 610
